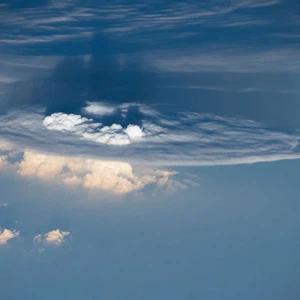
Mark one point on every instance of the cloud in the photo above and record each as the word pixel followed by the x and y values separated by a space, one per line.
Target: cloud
pixel 24 67
pixel 99 108
pixel 4 161
pixel 111 176
pixel 115 135
pixel 103 109
pixel 27 39
pixel 226 59
pixel 54 238
pixel 3 204
pixel 7 235
pixel 180 138
pixel 54 23
pixel 287 35
pixel 68 122
pixel 5 145
pixel 230 89
pixel 96 132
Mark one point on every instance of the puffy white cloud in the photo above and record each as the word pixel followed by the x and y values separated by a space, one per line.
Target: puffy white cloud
pixel 54 237
pixel 68 122
pixel 134 132
pixel 73 180
pixel 7 235
pixel 3 204
pixel 110 135
pixel 112 176
pixel 89 130
pixel 41 165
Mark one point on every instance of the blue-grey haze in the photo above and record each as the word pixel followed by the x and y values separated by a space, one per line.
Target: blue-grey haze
pixel 144 147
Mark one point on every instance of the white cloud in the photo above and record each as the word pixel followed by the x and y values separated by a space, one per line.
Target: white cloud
pixel 111 176
pixel 5 145
pixel 134 132
pixel 23 67
pixel 38 238
pixel 183 138
pixel 54 237
pixel 7 235
pixel 65 122
pixel 92 131
pixel 4 161
pixel 3 204
pixel 110 135
pixel 99 108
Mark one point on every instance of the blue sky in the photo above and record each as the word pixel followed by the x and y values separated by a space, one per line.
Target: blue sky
pixel 149 150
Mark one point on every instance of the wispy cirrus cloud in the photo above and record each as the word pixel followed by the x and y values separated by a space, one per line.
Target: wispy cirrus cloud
pixel 235 90
pixel 52 23
pixel 21 68
pixel 27 39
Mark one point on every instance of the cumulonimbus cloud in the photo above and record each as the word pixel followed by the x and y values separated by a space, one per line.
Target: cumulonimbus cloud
pixel 110 176
pixel 7 235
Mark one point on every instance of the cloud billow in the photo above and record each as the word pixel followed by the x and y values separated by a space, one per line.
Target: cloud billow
pixel 182 138
pixel 55 238
pixel 6 235
pixel 114 134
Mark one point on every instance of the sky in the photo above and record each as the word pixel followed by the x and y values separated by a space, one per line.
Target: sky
pixel 149 150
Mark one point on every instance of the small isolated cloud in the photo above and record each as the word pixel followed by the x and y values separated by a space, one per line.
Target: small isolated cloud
pixel 7 235
pixel 54 238
pixel 3 204
pixel 99 108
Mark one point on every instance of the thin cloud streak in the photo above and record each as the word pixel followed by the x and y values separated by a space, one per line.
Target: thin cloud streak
pixel 238 59
pixel 52 23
